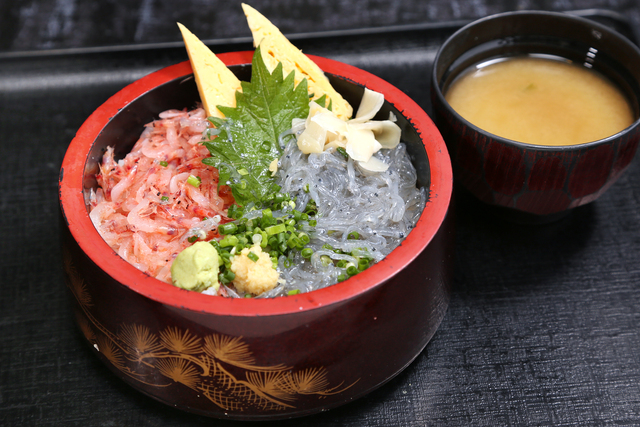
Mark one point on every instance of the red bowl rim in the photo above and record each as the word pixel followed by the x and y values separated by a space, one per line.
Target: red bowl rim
pixel 91 243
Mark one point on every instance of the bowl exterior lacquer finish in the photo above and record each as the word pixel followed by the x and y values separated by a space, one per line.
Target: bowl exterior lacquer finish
pixel 261 367
pixel 255 359
pixel 540 181
pixel 534 179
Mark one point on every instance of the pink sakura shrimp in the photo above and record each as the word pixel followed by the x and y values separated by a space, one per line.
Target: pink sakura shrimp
pixel 146 207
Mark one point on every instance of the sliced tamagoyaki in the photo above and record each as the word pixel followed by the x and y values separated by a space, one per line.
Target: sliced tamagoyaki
pixel 275 47
pixel 217 85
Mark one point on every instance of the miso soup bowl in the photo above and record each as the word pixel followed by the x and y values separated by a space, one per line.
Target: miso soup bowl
pixel 255 359
pixel 535 183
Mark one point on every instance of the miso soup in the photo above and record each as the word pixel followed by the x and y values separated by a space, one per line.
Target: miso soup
pixel 540 101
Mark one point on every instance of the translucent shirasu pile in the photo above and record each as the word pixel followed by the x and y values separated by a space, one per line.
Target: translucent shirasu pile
pixel 381 207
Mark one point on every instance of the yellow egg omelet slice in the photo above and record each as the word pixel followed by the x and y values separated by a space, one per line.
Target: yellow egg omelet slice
pixel 276 48
pixel 217 85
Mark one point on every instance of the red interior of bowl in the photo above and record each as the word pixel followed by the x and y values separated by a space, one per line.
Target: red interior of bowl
pixel 75 212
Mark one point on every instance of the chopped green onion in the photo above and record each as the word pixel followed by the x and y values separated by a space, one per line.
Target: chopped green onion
pixel 228 228
pixel 229 240
pixel 293 292
pixel 331 248
pixel 275 229
pixel 253 257
pixel 304 238
pixel 163 163
pixel 222 259
pixel 325 260
pixel 354 235
pixel 194 181
pixel 341 277
pixel 267 218
pixel 164 198
pixel 256 238
pixel 234 211
pixel 352 270
pixel 363 264
pixel 341 263
pixel 247 295
pixel 313 222
pixel 226 277
pixel 343 152
pixel 293 241
pixel 311 208
pixel 192 239
pixel 306 253
pixel 243 171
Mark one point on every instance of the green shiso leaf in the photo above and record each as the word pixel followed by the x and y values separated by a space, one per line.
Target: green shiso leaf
pixel 247 141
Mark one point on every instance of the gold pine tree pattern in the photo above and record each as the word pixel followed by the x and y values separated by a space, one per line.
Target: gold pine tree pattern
pixel 221 368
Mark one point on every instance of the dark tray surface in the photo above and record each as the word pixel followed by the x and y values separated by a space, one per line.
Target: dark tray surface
pixel 543 326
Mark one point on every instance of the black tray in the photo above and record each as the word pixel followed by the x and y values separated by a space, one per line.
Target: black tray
pixel 543 326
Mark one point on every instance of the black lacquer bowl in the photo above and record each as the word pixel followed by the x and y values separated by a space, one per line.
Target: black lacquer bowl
pixel 535 183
